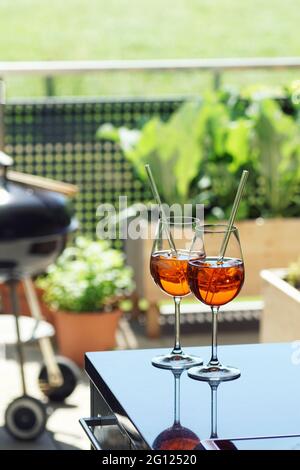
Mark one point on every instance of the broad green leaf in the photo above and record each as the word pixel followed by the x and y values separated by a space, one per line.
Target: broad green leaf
pixel 237 142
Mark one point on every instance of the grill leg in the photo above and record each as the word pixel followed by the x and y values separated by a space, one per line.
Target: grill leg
pixel 15 309
pixel 54 374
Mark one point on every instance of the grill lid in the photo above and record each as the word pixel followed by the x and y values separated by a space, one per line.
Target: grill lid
pixel 29 212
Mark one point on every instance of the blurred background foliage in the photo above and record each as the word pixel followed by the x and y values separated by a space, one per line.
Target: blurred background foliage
pixel 198 154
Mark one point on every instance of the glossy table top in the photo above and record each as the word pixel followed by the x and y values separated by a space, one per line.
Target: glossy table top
pixel 264 401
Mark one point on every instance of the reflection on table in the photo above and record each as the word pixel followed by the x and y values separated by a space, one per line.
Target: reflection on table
pixel 176 437
pixel 223 444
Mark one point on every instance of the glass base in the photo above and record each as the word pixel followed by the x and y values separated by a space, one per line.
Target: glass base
pixel 212 373
pixel 176 361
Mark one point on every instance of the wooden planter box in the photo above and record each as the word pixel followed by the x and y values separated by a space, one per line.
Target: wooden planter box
pixel 266 243
pixel 280 319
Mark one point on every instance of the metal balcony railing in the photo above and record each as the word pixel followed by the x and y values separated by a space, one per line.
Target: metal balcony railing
pixel 50 69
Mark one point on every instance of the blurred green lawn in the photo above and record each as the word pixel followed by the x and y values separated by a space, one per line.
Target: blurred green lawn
pixel 146 29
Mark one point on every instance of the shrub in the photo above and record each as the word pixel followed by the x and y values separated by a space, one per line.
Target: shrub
pixel 199 153
pixel 87 277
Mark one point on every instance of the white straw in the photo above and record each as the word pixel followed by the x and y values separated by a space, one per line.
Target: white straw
pixel 158 200
pixel 234 210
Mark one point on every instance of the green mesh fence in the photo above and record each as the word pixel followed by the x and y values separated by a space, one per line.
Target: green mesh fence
pixel 57 139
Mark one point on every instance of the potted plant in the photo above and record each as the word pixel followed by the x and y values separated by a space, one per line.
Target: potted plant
pixel 85 288
pixel 281 293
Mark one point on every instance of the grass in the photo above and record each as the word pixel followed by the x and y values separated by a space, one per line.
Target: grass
pixel 145 29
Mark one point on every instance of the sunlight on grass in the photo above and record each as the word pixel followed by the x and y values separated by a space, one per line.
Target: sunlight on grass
pixel 144 29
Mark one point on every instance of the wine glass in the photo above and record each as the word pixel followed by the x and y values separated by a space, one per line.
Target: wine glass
pixel 168 267
pixel 176 437
pixel 215 281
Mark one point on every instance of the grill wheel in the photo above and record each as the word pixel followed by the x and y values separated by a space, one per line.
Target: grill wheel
pixel 71 375
pixel 25 418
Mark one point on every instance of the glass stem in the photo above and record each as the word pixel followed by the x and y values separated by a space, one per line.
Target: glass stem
pixel 214 408
pixel 177 398
pixel 177 348
pixel 214 361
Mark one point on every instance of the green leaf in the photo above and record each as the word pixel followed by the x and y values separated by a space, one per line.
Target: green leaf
pixel 172 150
pixel 237 143
pixel 277 141
pixel 108 132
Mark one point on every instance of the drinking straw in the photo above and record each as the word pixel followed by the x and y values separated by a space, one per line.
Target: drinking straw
pixel 159 203
pixel 233 212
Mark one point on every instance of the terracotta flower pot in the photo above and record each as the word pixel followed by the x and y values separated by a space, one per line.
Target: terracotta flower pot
pixel 78 333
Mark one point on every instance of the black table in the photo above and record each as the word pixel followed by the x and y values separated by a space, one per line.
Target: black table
pixel 137 399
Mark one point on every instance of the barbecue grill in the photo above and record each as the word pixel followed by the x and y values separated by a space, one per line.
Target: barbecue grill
pixel 35 222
